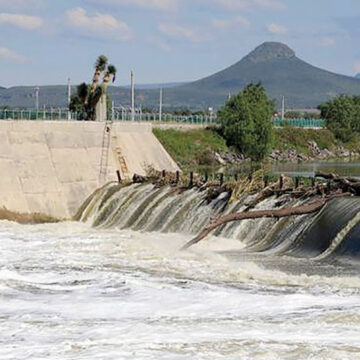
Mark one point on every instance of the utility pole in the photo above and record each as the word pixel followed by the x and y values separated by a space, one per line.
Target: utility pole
pixel 37 90
pixel 69 98
pixel 161 104
pixel 283 108
pixel 132 97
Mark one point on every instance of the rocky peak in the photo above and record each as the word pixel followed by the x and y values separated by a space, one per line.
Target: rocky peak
pixel 270 51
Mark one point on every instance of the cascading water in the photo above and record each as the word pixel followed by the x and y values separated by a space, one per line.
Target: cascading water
pixel 144 207
pixel 115 285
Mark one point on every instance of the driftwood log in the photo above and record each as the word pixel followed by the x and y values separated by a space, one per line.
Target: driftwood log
pixel 346 184
pixel 280 213
pixel 342 186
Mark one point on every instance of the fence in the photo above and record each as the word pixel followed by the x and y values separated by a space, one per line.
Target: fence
pixel 51 114
pixel 168 118
pixel 64 114
pixel 301 123
pixel 120 115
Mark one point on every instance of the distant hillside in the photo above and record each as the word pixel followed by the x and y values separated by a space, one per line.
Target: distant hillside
pixel 357 76
pixel 156 86
pixel 274 64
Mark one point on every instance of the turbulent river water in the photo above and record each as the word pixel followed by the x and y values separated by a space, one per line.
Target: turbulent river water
pixel 123 290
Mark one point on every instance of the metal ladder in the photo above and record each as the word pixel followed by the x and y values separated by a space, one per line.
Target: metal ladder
pixel 104 160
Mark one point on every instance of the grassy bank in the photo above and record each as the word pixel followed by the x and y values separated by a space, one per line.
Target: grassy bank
pixel 298 139
pixel 192 148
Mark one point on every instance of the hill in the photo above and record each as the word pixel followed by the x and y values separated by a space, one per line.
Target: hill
pixel 274 64
pixel 280 71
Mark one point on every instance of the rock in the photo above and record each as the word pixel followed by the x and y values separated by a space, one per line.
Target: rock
pixel 303 157
pixel 219 159
pixel 326 154
pixel 342 152
pixel 314 148
pixel 228 158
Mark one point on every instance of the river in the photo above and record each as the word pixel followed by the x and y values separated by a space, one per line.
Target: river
pixel 308 169
pixel 68 291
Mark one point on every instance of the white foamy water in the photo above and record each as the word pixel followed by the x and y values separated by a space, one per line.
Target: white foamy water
pixel 71 292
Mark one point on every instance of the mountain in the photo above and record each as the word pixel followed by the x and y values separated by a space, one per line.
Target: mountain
pixel 279 70
pixel 274 64
pixel 357 76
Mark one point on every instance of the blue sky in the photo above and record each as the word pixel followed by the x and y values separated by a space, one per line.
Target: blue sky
pixel 45 41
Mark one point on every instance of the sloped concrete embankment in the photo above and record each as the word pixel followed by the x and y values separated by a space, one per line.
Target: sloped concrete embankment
pixel 51 167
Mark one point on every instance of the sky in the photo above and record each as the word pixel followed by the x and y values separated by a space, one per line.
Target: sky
pixel 43 42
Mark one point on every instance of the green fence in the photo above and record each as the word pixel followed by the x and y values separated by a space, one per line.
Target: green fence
pixel 301 123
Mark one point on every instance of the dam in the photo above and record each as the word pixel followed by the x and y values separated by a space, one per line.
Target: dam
pixel 51 167
pixel 114 285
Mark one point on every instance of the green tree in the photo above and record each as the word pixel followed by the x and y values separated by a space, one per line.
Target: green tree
pixel 342 115
pixel 246 122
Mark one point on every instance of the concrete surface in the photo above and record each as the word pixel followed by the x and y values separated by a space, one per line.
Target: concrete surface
pixel 52 167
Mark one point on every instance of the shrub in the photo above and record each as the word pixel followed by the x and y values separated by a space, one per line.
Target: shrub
pixel 246 122
pixel 342 115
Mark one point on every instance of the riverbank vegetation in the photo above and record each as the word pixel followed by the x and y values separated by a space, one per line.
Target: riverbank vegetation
pixel 193 148
pixel 196 148
pixel 342 115
pixel 245 131
pixel 288 138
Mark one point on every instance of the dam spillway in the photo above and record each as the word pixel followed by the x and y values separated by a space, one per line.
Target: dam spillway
pixel 51 167
pixel 148 208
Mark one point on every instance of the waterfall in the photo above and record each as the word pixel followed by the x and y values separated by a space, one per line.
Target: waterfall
pixel 334 231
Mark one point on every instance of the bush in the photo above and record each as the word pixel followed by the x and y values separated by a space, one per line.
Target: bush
pixel 342 116
pixel 246 122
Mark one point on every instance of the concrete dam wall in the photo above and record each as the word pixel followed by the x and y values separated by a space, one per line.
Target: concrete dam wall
pixel 52 167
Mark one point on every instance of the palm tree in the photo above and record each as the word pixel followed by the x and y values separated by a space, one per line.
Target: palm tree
pixel 100 67
pixel 110 75
pixel 87 97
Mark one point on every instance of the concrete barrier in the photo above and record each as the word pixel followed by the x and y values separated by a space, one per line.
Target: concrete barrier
pixel 51 167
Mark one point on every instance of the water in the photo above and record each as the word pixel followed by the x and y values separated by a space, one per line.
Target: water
pixel 68 291
pixel 308 169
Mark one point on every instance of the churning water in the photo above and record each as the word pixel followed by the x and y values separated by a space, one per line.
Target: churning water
pixel 261 290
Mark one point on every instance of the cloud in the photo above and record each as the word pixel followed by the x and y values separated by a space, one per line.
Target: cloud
pixel 180 32
pixel 164 5
pixel 326 42
pixel 224 24
pixel 11 56
pixel 22 21
pixel 99 25
pixel 277 29
pixel 249 4
pixel 357 66
pixel 158 42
